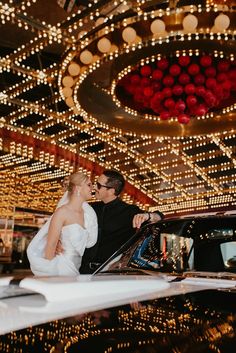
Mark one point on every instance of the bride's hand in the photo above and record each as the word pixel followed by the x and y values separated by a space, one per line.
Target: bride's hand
pixel 59 248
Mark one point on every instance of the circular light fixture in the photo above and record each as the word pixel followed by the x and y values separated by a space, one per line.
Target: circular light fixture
pixel 157 26
pixel 104 45
pixel 67 81
pixel 129 34
pixel 222 22
pixel 67 92
pixel 86 57
pixel 74 69
pixel 190 23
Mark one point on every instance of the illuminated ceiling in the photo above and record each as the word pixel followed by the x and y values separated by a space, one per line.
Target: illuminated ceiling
pixel 50 127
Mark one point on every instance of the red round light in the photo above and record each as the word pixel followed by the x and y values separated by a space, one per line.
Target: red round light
pixel 211 83
pixel 189 89
pixel 206 60
pixel 145 81
pixel 199 79
pixel 183 119
pixel 167 92
pixel 180 106
pixel 157 75
pixel 193 69
pixel 168 81
pixel 175 70
pixel 184 60
pixel 164 115
pixel 223 65
pixel 177 90
pixel 169 103
pixel 201 110
pixel 148 91
pixel 146 70
pixel 210 71
pixel 191 100
pixel 163 64
pixel 184 79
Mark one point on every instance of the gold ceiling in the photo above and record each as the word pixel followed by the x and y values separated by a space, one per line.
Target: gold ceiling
pixel 50 127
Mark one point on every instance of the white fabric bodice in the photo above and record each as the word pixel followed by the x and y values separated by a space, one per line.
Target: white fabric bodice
pixel 74 239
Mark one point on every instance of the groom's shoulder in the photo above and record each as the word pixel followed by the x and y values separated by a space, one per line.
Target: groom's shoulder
pixel 96 205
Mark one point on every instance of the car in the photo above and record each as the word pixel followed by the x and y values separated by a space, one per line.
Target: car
pixel 171 288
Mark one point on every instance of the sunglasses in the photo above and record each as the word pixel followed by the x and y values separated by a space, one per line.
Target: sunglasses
pixel 99 186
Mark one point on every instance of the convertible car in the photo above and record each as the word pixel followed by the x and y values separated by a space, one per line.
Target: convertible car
pixel 171 288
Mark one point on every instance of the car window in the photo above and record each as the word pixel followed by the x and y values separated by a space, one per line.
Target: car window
pixel 228 251
pixel 215 250
pixel 164 251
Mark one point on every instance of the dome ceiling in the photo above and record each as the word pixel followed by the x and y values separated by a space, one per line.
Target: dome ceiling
pixel 59 109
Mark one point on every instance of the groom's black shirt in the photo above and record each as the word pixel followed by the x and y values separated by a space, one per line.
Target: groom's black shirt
pixel 114 229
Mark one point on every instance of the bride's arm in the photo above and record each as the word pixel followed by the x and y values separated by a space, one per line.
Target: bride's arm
pixel 54 233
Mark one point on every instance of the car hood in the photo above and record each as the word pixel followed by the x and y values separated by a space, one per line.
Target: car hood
pixel 60 297
pixel 197 322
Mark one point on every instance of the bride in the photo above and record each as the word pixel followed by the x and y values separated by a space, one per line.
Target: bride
pixel 74 223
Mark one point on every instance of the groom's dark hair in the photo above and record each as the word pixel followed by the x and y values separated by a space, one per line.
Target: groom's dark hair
pixel 115 180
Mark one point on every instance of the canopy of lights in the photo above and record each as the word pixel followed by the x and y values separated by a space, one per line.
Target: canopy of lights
pixel 143 87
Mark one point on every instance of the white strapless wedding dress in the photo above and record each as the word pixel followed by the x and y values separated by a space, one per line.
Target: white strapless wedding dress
pixel 74 239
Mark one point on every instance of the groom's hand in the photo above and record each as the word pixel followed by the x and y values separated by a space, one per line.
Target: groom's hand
pixel 59 248
pixel 140 218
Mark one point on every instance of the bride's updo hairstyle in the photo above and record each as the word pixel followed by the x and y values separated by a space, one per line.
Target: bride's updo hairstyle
pixel 76 179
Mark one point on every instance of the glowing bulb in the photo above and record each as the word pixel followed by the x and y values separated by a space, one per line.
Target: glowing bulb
pixel 129 34
pixel 158 26
pixel 190 23
pixel 86 57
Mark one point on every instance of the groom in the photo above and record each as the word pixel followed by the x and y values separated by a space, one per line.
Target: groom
pixel 117 220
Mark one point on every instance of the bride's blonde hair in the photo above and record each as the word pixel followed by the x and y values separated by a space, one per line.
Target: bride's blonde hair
pixel 76 179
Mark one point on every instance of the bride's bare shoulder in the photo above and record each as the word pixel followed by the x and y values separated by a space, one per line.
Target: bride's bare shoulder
pixel 60 211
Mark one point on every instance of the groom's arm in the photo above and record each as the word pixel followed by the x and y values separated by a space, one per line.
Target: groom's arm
pixel 151 217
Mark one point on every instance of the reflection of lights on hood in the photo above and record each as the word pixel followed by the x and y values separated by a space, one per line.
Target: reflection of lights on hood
pixel 141 324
